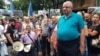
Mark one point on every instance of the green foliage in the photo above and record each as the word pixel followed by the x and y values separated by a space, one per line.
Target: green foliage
pixel 36 4
pixel 1 4
pixel 23 5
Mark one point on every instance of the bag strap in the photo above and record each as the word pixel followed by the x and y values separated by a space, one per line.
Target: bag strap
pixel 30 37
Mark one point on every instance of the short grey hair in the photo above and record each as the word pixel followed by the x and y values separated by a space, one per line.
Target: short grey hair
pixel 68 3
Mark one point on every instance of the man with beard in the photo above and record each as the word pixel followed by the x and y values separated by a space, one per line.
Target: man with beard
pixel 12 36
pixel 87 18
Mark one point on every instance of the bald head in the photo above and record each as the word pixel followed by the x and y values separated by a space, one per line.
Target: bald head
pixel 67 7
pixel 69 3
pixel 87 16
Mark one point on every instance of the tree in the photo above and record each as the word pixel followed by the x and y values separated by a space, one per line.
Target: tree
pixel 1 4
pixel 21 5
pixel 36 4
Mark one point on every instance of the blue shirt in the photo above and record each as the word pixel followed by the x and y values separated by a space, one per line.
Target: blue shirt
pixel 51 28
pixel 68 28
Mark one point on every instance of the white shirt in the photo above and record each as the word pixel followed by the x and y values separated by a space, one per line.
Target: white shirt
pixel 3 47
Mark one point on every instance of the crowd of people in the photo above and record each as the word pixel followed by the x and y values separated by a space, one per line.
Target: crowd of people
pixel 22 29
pixel 72 34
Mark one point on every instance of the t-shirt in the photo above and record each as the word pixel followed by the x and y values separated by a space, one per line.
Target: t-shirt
pixel 44 30
pixel 1 33
pixel 13 33
pixel 68 28
pixel 1 28
pixel 28 39
pixel 98 29
pixel 94 28
pixel 18 26
pixel 91 48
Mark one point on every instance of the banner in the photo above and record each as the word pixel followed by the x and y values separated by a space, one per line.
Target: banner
pixel 30 10
pixel 41 12
pixel 4 12
pixel 94 10
pixel 11 6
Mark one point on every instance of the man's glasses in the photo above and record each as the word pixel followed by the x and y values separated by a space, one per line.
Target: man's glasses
pixel 66 7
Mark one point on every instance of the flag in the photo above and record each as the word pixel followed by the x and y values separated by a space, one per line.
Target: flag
pixel 30 10
pixel 11 6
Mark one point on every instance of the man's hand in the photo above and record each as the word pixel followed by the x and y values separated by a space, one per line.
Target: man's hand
pixel 82 43
pixel 48 39
pixel 82 49
pixel 55 46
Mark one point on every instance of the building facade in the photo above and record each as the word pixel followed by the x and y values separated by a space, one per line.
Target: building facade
pixel 83 4
pixel 78 4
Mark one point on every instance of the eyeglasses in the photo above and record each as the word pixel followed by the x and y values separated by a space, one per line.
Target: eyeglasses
pixel 66 7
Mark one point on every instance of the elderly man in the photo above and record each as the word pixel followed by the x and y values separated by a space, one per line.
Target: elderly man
pixel 27 22
pixel 70 32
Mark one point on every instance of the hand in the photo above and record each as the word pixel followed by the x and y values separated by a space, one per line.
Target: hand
pixel 22 33
pixel 12 43
pixel 55 46
pixel 82 49
pixel 2 40
pixel 5 41
pixel 48 39
pixel 40 38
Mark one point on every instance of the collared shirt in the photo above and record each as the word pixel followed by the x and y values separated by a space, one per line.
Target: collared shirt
pixel 26 39
pixel 68 29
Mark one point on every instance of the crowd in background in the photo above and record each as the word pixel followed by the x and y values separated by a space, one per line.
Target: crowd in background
pixel 16 29
pixel 92 31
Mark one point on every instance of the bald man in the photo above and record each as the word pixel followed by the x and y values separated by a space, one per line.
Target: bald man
pixel 87 16
pixel 70 32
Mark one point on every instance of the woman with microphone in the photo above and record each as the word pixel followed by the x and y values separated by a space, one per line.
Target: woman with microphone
pixel 28 38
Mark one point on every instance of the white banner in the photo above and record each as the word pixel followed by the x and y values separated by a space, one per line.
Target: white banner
pixel 94 10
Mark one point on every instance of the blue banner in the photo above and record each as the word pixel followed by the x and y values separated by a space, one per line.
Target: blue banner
pixel 11 6
pixel 30 10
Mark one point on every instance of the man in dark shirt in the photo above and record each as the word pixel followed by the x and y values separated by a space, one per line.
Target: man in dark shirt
pixel 12 35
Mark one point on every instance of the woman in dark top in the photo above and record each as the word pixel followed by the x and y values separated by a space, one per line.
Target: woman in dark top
pixel 93 33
